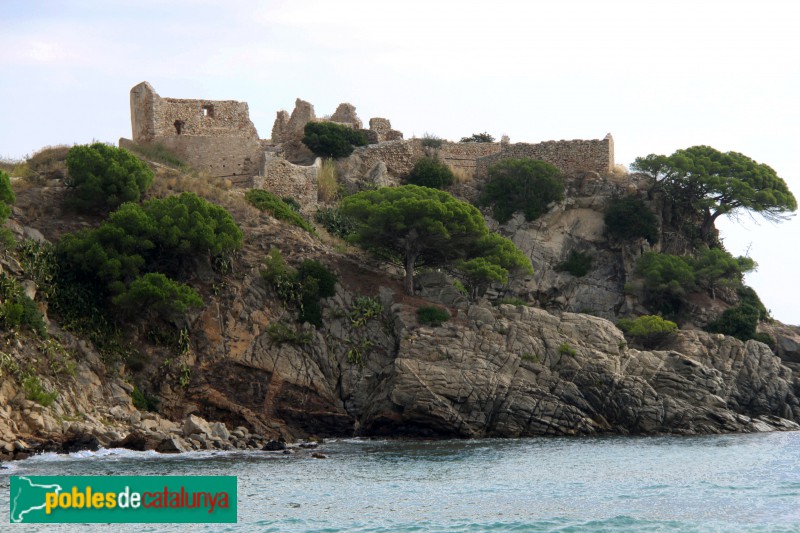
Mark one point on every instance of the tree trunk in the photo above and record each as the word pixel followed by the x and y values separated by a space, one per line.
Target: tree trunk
pixel 408 281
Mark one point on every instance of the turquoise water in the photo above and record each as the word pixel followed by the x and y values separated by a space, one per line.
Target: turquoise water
pixel 714 483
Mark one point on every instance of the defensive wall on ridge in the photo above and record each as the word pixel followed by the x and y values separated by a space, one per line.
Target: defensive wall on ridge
pixel 218 137
pixel 571 157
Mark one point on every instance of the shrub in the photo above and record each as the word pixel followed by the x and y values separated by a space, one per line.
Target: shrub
pixel 523 185
pixel 18 309
pixel 364 309
pixel 327 182
pixel 430 140
pixel 266 201
pixel 158 295
pixel 292 203
pixel 430 172
pixel 329 139
pixel 715 267
pixel 432 316
pixel 35 391
pixel 648 330
pixel 629 218
pixel 740 322
pixel 316 282
pixel 766 338
pixel 302 288
pixel 103 177
pixel 667 279
pixel 748 296
pixel 478 138
pixel 566 349
pixel 578 264
pixel 7 199
pixel 335 222
pixel 279 333
pixel 142 401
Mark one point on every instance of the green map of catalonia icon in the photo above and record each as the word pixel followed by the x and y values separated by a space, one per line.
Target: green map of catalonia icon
pixel 28 497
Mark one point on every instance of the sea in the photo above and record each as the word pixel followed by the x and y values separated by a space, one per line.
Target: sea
pixel 736 483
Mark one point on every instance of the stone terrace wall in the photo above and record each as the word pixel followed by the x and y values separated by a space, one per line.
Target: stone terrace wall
pixel 283 178
pixel 571 157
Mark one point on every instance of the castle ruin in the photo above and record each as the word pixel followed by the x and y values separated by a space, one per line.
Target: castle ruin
pixel 218 138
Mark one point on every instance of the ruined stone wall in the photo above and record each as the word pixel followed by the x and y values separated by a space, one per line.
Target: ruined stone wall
pixel 213 136
pixel 399 157
pixel 571 157
pixel 465 155
pixel 154 117
pixel 283 178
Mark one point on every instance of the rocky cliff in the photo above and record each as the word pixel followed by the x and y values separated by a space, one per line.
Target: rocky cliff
pixel 252 375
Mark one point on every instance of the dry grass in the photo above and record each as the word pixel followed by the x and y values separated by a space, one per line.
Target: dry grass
pixel 619 171
pixel 327 182
pixel 220 191
pixel 461 175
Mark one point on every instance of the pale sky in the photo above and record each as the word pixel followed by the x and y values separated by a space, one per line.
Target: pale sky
pixel 657 75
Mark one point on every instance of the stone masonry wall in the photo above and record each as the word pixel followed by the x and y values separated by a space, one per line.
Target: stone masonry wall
pixel 465 155
pixel 283 178
pixel 154 117
pixel 571 157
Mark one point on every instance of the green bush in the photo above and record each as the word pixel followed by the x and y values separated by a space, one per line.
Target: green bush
pixel 578 264
pixel 279 333
pixel 430 140
pixel 7 196
pixel 740 322
pixel 316 282
pixel 35 391
pixel 332 219
pixel 142 401
pixel 292 203
pixel 159 295
pixel 266 201
pixel 629 218
pixel 430 172
pixel 432 316
pixel 127 259
pixel 17 309
pixel 329 139
pixel 523 185
pixel 748 296
pixel 103 177
pixel 667 280
pixel 566 349
pixel 766 338
pixel 648 330
pixel 302 288
pixel 364 309
pixel 478 138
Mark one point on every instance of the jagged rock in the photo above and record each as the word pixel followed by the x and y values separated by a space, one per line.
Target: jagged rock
pixel 80 442
pixel 274 446
pixel 219 431
pixel 194 425
pixel 172 445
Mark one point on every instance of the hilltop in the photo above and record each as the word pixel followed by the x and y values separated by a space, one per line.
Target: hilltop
pixel 537 355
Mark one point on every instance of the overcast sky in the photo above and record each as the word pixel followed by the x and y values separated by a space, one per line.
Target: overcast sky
pixel 658 76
